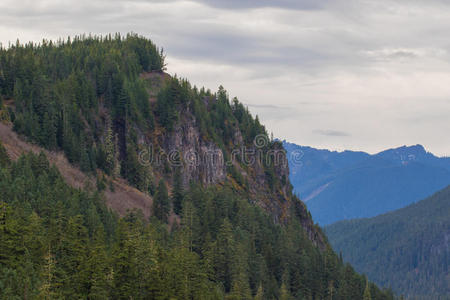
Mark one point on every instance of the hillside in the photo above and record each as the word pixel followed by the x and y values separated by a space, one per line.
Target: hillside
pixel 109 106
pixel 346 185
pixel 134 189
pixel 407 249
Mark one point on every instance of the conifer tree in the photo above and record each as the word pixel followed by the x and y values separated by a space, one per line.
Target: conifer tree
pixel 177 193
pixel 366 295
pixel 259 293
pixel 4 158
pixel 224 253
pixel 109 147
pixel 284 292
pixel 161 204
pixel 48 132
pixel 190 224
pixel 46 290
pixel 98 267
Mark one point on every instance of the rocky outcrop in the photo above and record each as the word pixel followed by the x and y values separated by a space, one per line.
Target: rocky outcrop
pixel 201 161
pixel 258 171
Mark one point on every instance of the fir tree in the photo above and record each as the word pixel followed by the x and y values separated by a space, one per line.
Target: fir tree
pixel 259 293
pixel 284 292
pixel 161 205
pixel 177 193
pixel 4 158
pixel 366 295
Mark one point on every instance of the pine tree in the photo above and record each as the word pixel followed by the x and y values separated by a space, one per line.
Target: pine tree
pixel 190 224
pixel 124 262
pixel 240 288
pixel 4 158
pixel 109 147
pixel 177 193
pixel 98 267
pixel 85 163
pixel 366 295
pixel 224 253
pixel 74 254
pixel 259 293
pixel 48 132
pixel 161 205
pixel 284 292
pixel 46 290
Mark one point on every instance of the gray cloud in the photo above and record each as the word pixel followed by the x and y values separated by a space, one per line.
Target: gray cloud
pixel 273 112
pixel 330 132
pixel 252 4
pixel 247 4
pixel 361 66
pixel 268 106
pixel 403 54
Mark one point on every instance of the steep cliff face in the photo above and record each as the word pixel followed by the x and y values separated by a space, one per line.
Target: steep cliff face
pixel 201 160
pixel 252 167
pixel 257 170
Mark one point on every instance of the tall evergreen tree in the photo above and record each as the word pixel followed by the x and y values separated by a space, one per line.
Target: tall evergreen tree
pixel 259 293
pixel 366 295
pixel 177 193
pixel 161 204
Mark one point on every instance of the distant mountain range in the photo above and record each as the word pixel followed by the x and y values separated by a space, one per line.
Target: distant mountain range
pixel 347 185
pixel 407 249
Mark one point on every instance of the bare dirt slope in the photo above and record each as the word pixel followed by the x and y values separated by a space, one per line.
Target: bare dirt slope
pixel 122 199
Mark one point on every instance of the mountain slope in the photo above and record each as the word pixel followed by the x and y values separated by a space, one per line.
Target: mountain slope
pixel 346 185
pixel 220 225
pixel 407 249
pixel 121 197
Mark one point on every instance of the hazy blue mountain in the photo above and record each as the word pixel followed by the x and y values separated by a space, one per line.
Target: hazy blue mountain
pixel 347 185
pixel 407 249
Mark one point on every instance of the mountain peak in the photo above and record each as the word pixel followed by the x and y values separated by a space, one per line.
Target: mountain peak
pixel 405 154
pixel 412 149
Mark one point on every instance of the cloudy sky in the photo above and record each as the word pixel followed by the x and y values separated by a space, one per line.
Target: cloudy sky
pixel 343 74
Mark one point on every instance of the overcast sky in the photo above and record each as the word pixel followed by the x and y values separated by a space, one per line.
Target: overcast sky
pixel 361 75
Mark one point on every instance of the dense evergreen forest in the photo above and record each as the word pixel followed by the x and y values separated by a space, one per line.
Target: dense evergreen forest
pixel 90 98
pixel 407 249
pixel 59 242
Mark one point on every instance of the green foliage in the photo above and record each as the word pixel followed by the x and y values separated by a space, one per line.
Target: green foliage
pixel 89 96
pixel 161 203
pixel 172 96
pixel 177 193
pixel 59 87
pixel 59 242
pixel 366 295
pixel 4 158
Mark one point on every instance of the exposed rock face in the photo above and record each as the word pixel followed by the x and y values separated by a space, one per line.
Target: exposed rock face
pixel 243 166
pixel 202 161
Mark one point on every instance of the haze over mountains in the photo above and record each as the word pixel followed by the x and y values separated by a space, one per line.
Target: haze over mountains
pixel 349 184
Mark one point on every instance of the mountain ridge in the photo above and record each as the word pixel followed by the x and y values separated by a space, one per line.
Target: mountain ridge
pixel 407 249
pixel 358 184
